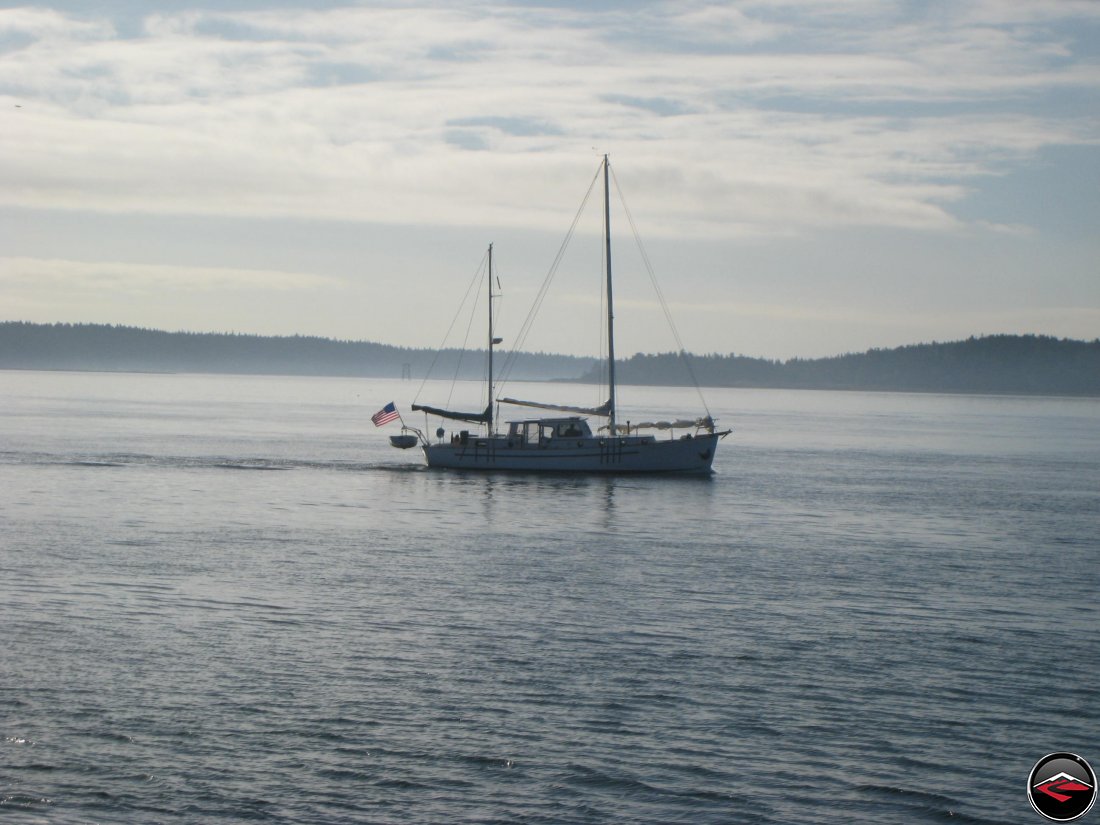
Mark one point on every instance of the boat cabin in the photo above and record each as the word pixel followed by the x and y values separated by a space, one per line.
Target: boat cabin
pixel 542 431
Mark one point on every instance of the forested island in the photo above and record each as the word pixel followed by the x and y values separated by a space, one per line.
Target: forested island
pixel 1013 364
pixel 107 348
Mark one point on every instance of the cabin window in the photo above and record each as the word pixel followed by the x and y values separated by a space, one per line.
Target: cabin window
pixel 531 432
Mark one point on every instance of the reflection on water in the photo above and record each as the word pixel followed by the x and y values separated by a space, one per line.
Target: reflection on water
pixel 868 586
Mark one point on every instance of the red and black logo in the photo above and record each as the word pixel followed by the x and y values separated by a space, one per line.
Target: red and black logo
pixel 1061 787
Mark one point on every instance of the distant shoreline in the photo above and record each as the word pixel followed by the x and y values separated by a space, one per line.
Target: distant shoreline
pixel 1024 365
pixel 963 393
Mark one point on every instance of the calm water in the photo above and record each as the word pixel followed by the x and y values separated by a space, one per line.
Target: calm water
pixel 226 599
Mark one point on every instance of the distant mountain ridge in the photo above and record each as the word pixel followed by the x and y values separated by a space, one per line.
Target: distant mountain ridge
pixel 1011 364
pixel 107 348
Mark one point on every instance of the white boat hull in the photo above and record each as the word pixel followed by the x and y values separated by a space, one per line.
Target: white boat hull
pixel 626 454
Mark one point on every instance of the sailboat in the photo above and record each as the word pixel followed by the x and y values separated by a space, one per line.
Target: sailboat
pixel 566 442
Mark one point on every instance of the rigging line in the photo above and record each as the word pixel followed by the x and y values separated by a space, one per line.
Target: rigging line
pixel 498 296
pixel 466 339
pixel 525 329
pixel 447 334
pixel 682 352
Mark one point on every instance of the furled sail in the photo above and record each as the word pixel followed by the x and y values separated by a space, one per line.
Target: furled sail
pixel 472 417
pixel 603 409
pixel 704 423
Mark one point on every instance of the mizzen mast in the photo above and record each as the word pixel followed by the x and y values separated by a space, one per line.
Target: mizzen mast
pixel 492 341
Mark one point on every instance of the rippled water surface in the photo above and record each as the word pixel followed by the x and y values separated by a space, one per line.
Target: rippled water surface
pixel 226 599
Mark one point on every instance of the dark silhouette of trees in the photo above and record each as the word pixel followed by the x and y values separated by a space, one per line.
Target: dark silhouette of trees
pixel 109 348
pixel 1018 364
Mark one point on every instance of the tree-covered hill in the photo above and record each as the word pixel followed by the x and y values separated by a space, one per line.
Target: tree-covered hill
pixel 103 347
pixel 1023 364
pixel 1018 364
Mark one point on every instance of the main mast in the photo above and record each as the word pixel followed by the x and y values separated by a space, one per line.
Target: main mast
pixel 610 306
pixel 491 339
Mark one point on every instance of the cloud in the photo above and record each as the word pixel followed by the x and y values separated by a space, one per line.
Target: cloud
pixel 488 114
pixel 33 23
pixel 51 275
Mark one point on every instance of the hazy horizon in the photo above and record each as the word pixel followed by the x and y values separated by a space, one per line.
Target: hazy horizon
pixel 809 178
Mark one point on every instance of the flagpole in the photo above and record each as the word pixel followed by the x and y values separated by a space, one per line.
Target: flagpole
pixel 405 427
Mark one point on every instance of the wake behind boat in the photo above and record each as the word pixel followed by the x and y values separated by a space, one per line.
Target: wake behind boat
pixel 567 443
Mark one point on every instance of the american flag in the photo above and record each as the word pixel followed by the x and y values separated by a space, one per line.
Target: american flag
pixel 385 415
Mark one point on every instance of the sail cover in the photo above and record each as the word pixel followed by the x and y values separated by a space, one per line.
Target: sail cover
pixel 604 409
pixel 472 417
pixel 704 423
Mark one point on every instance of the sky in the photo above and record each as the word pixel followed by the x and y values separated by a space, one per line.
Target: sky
pixel 808 177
